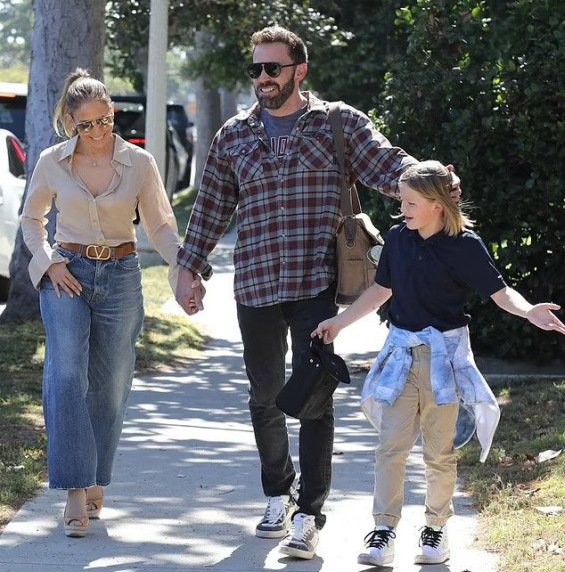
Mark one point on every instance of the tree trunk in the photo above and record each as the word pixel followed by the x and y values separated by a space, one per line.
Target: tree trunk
pixel 229 103
pixel 208 121
pixel 66 34
pixel 208 111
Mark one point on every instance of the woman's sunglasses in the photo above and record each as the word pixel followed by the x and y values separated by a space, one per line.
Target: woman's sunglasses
pixel 272 69
pixel 87 126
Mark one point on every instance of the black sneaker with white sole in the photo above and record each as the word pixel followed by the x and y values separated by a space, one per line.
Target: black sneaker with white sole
pixel 276 520
pixel 302 539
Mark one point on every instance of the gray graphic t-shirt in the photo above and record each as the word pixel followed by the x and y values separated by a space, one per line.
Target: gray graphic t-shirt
pixel 278 129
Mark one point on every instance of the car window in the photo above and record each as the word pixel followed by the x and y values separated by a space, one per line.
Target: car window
pixel 12 115
pixel 177 116
pixel 129 121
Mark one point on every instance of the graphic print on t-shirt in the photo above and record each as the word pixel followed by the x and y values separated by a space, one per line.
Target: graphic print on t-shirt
pixel 278 130
pixel 278 145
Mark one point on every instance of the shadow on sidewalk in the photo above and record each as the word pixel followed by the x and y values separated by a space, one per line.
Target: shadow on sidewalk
pixel 186 492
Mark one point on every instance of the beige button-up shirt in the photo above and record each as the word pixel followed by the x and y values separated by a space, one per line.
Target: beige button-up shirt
pixel 106 219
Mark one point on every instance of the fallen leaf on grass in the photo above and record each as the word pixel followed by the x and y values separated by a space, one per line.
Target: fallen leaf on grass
pixel 530 492
pixel 551 510
pixel 541 545
pixel 548 455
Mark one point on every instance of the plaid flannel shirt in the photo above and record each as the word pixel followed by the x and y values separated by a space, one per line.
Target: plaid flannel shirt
pixel 289 209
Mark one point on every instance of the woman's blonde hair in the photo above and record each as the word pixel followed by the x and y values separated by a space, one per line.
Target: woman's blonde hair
pixel 434 181
pixel 79 88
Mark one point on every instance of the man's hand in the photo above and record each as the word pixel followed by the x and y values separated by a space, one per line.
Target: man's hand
pixel 456 186
pixel 190 292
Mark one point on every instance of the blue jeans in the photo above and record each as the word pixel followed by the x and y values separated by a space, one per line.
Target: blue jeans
pixel 89 364
pixel 264 334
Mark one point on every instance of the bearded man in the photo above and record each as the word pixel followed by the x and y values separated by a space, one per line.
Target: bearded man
pixel 275 164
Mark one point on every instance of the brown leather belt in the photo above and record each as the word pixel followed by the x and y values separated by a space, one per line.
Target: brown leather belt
pixel 100 251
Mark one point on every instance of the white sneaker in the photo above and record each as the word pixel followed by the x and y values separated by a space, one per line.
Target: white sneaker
pixel 434 547
pixel 276 520
pixel 379 545
pixel 302 539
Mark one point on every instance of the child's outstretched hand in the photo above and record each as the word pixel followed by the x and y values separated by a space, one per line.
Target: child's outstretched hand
pixel 327 330
pixel 541 316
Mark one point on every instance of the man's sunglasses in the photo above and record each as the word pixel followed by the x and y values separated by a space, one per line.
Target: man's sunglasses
pixel 272 69
pixel 87 126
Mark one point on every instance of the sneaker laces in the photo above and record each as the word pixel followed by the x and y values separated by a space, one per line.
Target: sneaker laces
pixel 430 537
pixel 302 525
pixel 379 538
pixel 275 508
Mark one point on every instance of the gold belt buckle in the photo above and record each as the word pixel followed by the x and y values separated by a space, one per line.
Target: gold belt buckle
pixel 101 252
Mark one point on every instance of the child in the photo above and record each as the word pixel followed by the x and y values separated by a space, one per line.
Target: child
pixel 428 265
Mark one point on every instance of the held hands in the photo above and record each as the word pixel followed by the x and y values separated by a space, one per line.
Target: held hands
pixel 541 316
pixel 63 280
pixel 190 292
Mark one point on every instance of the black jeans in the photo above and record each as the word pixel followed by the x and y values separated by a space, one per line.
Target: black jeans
pixel 264 333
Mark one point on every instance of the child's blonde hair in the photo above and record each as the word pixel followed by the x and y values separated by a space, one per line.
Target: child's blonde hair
pixel 434 181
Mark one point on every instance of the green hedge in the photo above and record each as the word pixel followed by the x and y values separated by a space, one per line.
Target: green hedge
pixel 481 86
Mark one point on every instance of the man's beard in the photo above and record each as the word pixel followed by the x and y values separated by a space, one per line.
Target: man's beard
pixel 278 100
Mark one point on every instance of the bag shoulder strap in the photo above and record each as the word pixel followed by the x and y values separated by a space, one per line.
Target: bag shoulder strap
pixel 350 203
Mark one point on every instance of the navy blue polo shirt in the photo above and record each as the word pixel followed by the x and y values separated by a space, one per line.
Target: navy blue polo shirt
pixel 431 279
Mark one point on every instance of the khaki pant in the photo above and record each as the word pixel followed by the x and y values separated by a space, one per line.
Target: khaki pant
pixel 415 411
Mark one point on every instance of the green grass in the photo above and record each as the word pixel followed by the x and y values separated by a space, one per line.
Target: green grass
pixel 512 484
pixel 168 340
pixel 22 441
pixel 182 205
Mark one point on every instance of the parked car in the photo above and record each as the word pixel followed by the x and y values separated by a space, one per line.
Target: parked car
pixel 13 97
pixel 12 186
pixel 179 126
pixel 129 123
pixel 177 116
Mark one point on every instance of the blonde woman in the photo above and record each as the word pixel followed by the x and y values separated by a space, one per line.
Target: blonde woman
pixel 90 286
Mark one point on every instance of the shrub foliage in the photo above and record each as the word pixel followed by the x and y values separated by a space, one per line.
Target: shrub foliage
pixel 481 86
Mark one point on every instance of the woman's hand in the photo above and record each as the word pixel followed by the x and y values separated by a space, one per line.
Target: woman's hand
pixel 190 292
pixel 63 280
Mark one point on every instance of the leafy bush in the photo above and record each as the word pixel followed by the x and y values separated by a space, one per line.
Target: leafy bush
pixel 493 105
pixel 353 70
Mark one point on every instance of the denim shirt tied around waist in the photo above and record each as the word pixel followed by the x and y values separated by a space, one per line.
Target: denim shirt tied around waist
pixel 454 377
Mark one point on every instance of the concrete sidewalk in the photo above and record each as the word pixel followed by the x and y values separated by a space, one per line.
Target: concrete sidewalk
pixel 186 493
